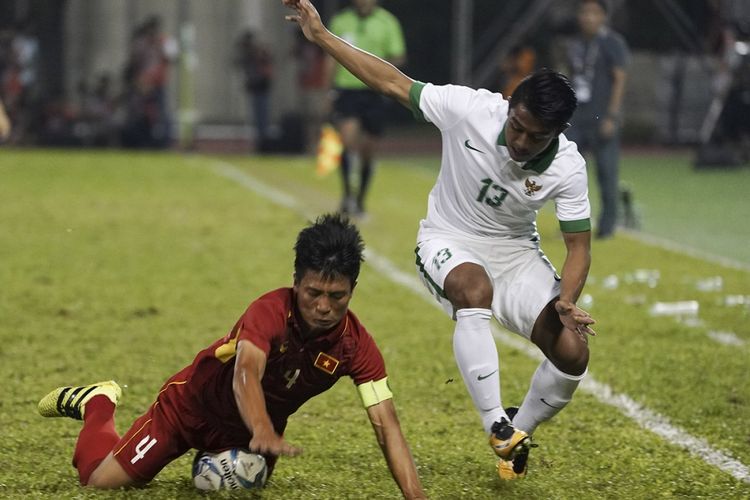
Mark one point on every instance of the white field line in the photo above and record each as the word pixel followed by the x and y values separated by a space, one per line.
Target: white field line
pixel 670 245
pixel 726 338
pixel 645 418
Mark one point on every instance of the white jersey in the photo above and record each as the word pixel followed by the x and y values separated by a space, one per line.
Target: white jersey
pixel 481 191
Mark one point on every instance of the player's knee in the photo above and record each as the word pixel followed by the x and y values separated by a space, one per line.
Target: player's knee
pixel 100 481
pixel 109 475
pixel 469 287
pixel 479 295
pixel 572 360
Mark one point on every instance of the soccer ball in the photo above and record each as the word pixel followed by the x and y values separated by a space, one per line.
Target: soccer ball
pixel 231 469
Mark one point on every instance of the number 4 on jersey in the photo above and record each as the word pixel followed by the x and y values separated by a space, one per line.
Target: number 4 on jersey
pixel 142 448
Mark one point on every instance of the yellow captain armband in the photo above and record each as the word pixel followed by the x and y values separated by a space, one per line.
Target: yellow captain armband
pixel 374 391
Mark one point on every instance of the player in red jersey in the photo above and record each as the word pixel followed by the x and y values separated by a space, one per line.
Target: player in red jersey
pixel 290 345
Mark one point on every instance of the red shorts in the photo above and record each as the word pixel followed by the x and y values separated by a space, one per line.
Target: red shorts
pixel 170 428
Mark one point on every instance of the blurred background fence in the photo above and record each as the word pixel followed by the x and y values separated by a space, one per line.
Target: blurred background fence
pixel 140 73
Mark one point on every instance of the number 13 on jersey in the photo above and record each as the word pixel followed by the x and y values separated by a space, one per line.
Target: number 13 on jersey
pixel 491 194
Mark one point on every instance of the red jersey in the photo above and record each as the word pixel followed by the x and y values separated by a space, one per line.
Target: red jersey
pixel 196 407
pixel 296 369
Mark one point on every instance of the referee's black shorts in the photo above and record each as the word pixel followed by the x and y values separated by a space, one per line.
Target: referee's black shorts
pixel 366 105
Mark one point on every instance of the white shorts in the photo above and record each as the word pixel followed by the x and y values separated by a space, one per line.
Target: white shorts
pixel 524 281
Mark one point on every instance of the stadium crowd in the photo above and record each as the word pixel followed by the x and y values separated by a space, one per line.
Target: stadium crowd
pixel 100 112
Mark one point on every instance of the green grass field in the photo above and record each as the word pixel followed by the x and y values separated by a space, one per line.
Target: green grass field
pixel 706 210
pixel 123 266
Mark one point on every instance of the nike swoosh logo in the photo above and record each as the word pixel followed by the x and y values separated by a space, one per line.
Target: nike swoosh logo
pixel 551 406
pixel 469 146
pixel 482 377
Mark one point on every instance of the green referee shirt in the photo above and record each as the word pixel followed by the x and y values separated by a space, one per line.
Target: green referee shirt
pixel 379 34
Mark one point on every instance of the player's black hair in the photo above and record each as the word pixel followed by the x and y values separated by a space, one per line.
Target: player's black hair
pixel 549 97
pixel 331 246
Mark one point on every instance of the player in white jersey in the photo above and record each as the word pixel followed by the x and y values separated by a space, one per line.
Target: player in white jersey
pixel 478 249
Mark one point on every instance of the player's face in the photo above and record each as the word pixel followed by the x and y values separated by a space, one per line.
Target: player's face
pixel 322 303
pixel 525 135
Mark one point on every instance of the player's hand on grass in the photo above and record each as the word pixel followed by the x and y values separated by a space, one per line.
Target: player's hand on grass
pixel 267 442
pixel 574 318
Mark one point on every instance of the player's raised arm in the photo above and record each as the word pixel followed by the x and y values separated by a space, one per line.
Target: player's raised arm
pixel 395 449
pixel 248 392
pixel 378 74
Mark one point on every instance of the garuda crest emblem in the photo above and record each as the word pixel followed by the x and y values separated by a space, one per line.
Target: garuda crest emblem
pixel 531 187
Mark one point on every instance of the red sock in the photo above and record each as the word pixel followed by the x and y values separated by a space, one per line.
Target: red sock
pixel 97 437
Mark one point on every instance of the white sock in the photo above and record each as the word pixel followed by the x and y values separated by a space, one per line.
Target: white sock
pixel 476 356
pixel 549 392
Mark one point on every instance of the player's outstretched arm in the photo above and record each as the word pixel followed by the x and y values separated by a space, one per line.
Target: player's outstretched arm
pixel 378 74
pixel 248 393
pixel 395 449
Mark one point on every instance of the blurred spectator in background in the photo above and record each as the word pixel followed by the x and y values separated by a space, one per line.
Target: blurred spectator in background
pixel 313 86
pixel 58 124
pixel 517 65
pixel 87 120
pixel 148 121
pixel 4 123
pixel 19 50
pixel 96 110
pixel 358 112
pixel 725 133
pixel 597 60
pixel 135 123
pixel 254 60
